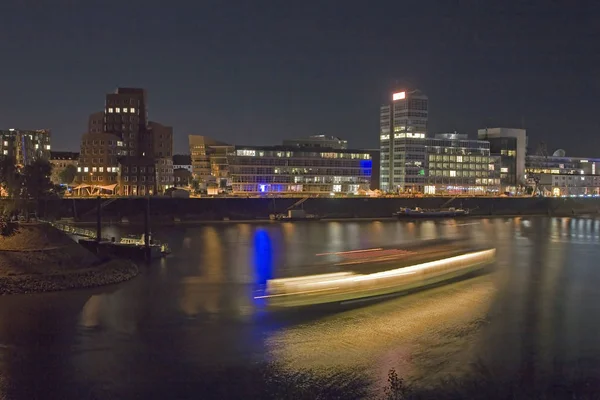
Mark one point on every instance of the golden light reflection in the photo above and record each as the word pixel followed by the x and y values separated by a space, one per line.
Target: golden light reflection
pixel 410 325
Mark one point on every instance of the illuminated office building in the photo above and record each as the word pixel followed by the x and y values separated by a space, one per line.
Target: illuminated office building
pixel 403 124
pixel 298 171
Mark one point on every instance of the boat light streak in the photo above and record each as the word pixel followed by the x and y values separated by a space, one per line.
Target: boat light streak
pixel 345 279
pixel 339 253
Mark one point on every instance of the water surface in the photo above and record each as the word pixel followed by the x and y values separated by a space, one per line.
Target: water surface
pixel 194 311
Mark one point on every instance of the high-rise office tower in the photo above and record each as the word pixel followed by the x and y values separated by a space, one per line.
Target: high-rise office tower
pixel 402 121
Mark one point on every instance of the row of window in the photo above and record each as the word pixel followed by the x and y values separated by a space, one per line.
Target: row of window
pixel 97 169
pixel 472 166
pixel 135 178
pixel 102 142
pixel 137 190
pixel 110 110
pixel 295 162
pixel 141 169
pixel 458 173
pixel 100 178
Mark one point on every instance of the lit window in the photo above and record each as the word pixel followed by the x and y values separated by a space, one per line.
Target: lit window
pixel 6 143
pixel 101 169
pixel 86 169
pixel 132 110
pixel 110 109
pixel 47 147
pixel 125 109
pixel 78 169
pixel 452 173
pixel 459 159
pixel 5 152
pixel 117 110
pixel 94 169
pixel 37 146
pixel 504 169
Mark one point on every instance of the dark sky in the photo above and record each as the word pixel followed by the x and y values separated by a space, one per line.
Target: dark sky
pixel 255 72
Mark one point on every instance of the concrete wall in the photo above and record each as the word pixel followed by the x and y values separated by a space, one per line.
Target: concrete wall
pixel 166 209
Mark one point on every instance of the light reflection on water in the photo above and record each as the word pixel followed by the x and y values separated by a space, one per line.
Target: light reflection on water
pixel 195 309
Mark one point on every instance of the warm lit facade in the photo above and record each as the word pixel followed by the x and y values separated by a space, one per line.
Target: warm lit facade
pixel 209 160
pixel 124 123
pixel 449 163
pixel 164 174
pixel 137 176
pixel 289 170
pixel 565 176
pixel 59 161
pixel 25 146
pixel 183 177
pixel 403 119
pixel 454 165
pixel 317 141
pixel 98 159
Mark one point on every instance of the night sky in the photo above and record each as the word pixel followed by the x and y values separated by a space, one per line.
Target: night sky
pixel 256 72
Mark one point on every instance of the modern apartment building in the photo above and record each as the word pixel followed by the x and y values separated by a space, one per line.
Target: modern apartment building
pixel 299 171
pixel 209 160
pixel 61 160
pixel 454 165
pixel 404 118
pixel 511 146
pixel 25 146
pixel 316 141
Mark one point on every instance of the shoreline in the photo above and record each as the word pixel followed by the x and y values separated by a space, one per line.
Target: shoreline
pixel 189 222
pixel 107 273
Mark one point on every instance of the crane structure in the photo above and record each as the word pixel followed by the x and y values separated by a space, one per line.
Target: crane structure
pixel 539 162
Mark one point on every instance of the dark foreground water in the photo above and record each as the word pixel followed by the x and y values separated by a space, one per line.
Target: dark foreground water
pixel 537 312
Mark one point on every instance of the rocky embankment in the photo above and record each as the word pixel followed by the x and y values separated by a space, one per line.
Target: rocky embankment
pixel 40 258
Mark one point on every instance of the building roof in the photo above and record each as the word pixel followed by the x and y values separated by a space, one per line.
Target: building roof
pixel 301 149
pixel 64 155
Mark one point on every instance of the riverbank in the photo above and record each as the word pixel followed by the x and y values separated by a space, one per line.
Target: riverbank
pixel 165 209
pixel 39 258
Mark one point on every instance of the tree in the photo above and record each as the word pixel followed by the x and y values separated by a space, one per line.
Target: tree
pixel 10 177
pixel 67 175
pixel 36 180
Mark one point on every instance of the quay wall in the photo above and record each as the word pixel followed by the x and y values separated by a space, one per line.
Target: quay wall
pixel 164 209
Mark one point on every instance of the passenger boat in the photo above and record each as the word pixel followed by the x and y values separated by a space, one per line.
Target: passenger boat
pixel 361 274
pixel 294 215
pixel 135 240
pixel 418 212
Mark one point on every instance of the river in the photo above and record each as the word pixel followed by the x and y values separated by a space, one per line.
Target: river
pixel 533 312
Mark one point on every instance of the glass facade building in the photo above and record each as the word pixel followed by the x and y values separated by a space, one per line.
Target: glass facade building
pixel 300 171
pixel 403 119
